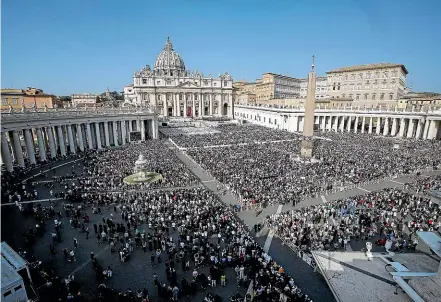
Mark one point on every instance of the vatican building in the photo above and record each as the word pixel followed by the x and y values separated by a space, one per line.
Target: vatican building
pixel 172 90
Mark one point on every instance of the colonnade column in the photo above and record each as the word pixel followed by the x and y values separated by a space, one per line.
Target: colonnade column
pixel 394 127
pixel 29 146
pixel 426 129
pixel 123 131
pixel 371 124
pixel 329 123
pixel 52 148
pixel 410 128
pixel 201 100
pixel 142 130
pixel 335 123
pixel 106 133
pixel 17 149
pixel 419 128
pixel 115 133
pixel 363 124
pixel 71 139
pixel 386 126
pixel 342 124
pixel 41 146
pixel 349 121
pixel 210 109
pixel 296 123
pixel 378 127
pixel 356 124
pixel 98 136
pixel 323 123
pixel 80 137
pixel 185 106
pixel 402 125
pixel 433 129
pixel 89 136
pixel 6 154
pixel 61 140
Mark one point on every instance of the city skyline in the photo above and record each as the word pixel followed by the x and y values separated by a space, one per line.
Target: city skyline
pixel 65 50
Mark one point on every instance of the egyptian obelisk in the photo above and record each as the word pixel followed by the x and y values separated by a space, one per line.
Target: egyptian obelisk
pixel 308 125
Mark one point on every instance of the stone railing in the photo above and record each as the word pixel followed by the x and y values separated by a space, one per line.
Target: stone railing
pixel 64 113
pixel 433 109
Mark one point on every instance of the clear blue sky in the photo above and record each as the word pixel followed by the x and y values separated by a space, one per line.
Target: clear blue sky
pixel 79 46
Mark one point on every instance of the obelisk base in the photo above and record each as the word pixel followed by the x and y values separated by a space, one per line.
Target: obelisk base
pixel 306 147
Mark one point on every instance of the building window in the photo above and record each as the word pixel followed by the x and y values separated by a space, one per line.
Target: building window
pixel 4 101
pixel 338 85
pixel 15 101
pixel 360 76
pixel 159 97
pixel 368 75
pixel 374 96
pixel 343 95
pixel 225 83
pixel 391 96
pixel 366 96
pixel 357 97
pixel 158 82
pixel 382 96
pixel 144 81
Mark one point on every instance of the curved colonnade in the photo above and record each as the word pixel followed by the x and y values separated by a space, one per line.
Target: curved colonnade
pixel 31 137
pixel 393 122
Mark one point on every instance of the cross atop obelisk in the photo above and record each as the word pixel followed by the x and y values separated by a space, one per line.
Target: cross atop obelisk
pixel 312 66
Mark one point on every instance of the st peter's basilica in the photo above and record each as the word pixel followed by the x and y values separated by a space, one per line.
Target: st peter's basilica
pixel 174 91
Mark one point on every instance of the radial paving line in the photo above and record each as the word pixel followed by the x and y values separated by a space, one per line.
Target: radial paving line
pixel 364 189
pixel 32 201
pixel 397 182
pixel 55 167
pixel 323 198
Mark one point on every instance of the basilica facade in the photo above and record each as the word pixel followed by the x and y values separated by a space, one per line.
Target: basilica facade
pixel 172 90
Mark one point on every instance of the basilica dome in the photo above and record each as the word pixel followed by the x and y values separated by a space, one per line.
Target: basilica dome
pixel 169 62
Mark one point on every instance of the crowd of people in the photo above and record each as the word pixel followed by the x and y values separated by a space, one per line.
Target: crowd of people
pixel 195 239
pixel 387 214
pixel 225 134
pixel 272 173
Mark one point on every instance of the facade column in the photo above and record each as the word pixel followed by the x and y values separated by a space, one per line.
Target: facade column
pixel 61 141
pixel 89 136
pixel 98 136
pixel 201 101
pixel 80 137
pixel 165 106
pixel 419 128
pixel 363 124
pixel 402 126
pixel 210 109
pixel 106 134
pixel 410 128
pixel 356 124
pixel 41 145
pixel 18 150
pixel 185 105
pixel 348 126
pixel 115 133
pixel 142 130
pixel 378 128
pixel 6 154
pixel 52 147
pixel 371 124
pixel 394 127
pixel 30 147
pixel 426 129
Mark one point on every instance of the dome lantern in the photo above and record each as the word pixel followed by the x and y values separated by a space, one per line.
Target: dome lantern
pixel 169 62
